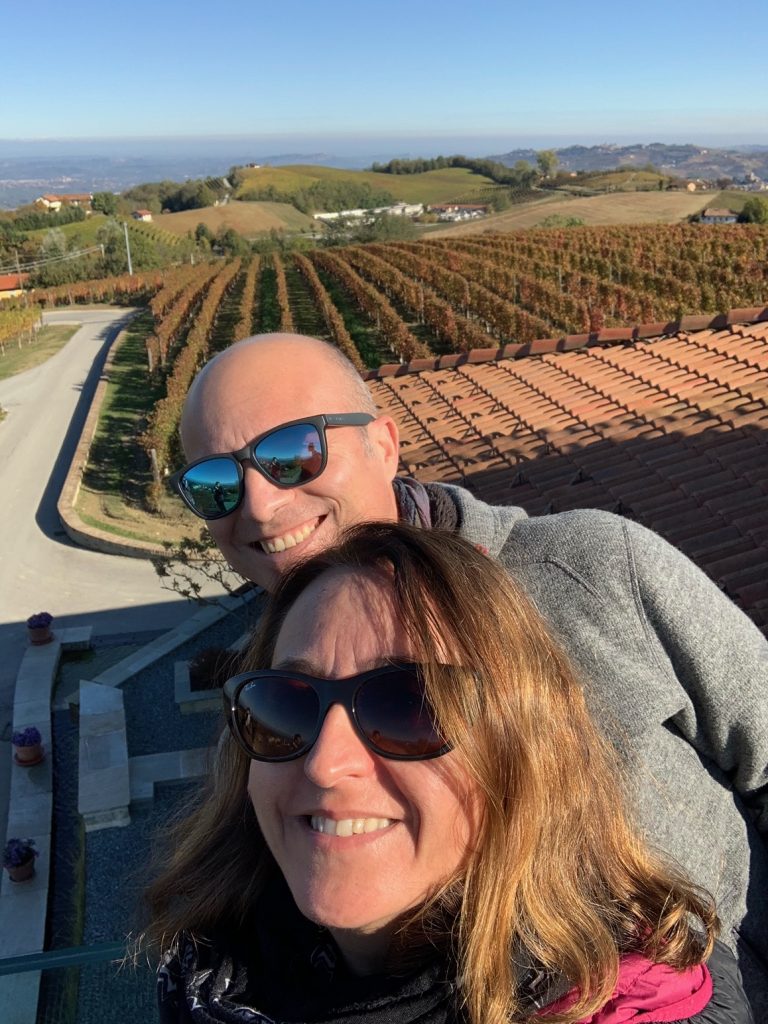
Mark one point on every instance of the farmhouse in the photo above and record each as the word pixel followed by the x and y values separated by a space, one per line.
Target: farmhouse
pixel 713 216
pixel 12 285
pixel 458 211
pixel 397 210
pixel 143 215
pixel 53 201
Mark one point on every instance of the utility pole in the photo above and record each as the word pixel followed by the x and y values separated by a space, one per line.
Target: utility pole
pixel 18 271
pixel 128 248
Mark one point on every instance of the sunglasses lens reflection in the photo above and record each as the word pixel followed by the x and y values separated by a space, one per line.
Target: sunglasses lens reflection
pixel 277 717
pixel 212 487
pixel 393 713
pixel 291 455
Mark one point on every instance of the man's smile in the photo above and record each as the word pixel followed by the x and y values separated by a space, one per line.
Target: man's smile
pixel 289 539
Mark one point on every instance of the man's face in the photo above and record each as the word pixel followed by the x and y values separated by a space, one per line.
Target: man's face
pixel 257 387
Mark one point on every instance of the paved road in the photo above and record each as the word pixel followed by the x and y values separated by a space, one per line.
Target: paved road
pixel 40 568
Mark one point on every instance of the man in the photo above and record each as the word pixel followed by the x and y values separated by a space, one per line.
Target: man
pixel 676 675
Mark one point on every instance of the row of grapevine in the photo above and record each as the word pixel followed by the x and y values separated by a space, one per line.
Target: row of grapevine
pixel 684 267
pixel 134 287
pixel 15 323
pixel 170 327
pixel 249 303
pixel 164 419
pixel 456 331
pixel 286 317
pixel 570 301
pixel 392 330
pixel 175 280
pixel 654 295
pixel 504 320
pixel 333 319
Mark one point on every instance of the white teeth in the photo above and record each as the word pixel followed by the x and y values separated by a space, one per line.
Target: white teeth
pixel 288 540
pixel 347 826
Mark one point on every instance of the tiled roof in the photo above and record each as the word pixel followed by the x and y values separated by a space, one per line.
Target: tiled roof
pixel 9 282
pixel 666 424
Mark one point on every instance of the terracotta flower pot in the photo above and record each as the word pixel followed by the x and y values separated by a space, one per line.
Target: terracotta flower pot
pixel 28 756
pixel 39 635
pixel 22 872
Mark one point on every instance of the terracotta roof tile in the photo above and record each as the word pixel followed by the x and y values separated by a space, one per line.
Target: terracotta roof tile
pixel 670 429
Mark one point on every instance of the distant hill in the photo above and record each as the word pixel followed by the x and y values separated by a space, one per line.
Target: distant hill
pixel 248 219
pixel 24 178
pixel 685 161
pixel 452 184
pixel 616 208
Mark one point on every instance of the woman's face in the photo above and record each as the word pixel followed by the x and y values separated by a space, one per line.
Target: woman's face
pixel 419 818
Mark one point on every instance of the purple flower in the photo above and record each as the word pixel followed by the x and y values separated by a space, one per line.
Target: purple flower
pixel 18 852
pixel 39 620
pixel 27 737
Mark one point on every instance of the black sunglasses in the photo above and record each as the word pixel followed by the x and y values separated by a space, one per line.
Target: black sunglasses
pixel 288 455
pixel 277 715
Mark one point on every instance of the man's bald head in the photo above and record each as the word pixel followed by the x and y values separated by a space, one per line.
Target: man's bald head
pixel 276 357
pixel 255 386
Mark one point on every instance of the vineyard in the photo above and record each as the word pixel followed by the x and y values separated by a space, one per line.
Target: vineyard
pixel 400 301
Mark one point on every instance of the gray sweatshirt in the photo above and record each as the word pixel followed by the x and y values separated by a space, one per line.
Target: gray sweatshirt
pixel 677 677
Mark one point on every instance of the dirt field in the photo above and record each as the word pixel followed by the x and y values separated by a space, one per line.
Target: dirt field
pixel 615 208
pixel 249 219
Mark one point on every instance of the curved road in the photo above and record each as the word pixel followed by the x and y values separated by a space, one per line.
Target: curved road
pixel 40 568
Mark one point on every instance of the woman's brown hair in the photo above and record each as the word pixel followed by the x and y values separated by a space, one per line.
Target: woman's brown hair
pixel 558 876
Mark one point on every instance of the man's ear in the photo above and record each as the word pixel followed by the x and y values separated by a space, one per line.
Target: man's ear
pixel 385 439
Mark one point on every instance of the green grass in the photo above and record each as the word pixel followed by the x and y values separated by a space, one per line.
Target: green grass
pixel 730 199
pixel 46 344
pixel 622 180
pixel 117 464
pixel 115 530
pixel 83 233
pixel 431 187
pixel 116 478
pixel 268 306
pixel 361 329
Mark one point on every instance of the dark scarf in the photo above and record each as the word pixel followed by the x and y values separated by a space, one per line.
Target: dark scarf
pixel 425 506
pixel 292 971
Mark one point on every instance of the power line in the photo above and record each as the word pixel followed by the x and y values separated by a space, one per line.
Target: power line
pixel 23 267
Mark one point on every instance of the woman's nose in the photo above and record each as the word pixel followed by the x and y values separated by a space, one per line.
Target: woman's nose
pixel 338 752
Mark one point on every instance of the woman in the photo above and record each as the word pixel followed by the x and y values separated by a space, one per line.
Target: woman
pixel 414 819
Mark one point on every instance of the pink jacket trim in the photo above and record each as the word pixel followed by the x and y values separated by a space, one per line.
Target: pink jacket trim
pixel 649 993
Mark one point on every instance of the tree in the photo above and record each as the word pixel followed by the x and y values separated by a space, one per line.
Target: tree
pixel 499 200
pixel 105 202
pixel 229 242
pixel 558 220
pixel 546 160
pixel 203 233
pixel 112 237
pixel 386 227
pixel 754 211
pixel 56 268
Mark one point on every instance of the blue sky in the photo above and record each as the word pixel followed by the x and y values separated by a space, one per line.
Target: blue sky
pixel 593 70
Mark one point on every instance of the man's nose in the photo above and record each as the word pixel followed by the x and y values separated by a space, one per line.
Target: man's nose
pixel 261 499
pixel 339 752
